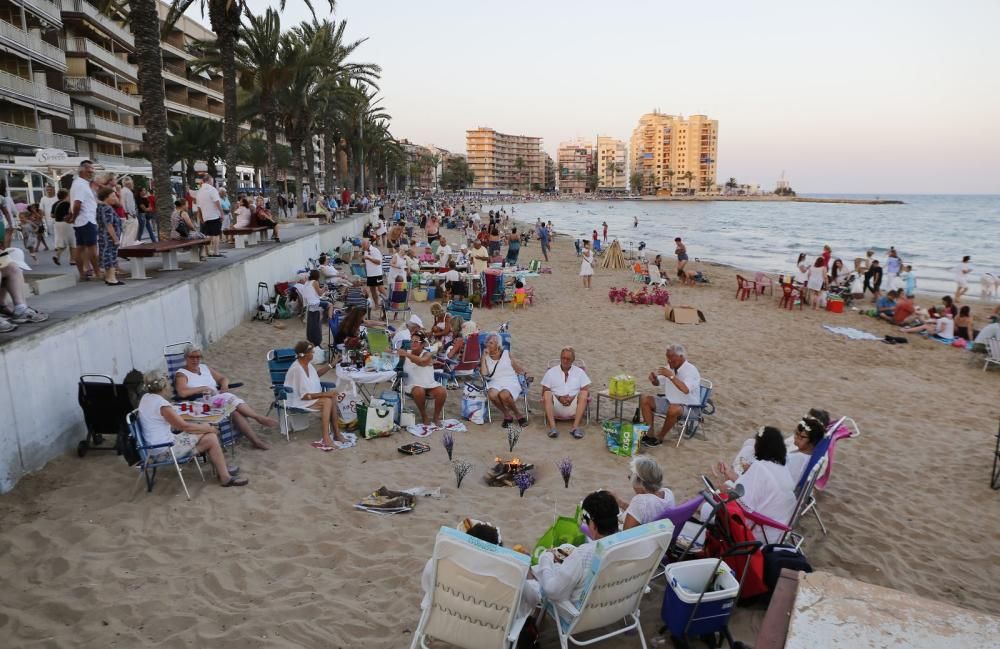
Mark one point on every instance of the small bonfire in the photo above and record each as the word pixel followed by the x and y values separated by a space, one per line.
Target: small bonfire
pixel 504 472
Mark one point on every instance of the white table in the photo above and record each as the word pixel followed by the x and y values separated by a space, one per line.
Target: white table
pixel 354 379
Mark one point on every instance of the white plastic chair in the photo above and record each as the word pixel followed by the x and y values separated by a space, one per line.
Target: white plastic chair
pixel 992 353
pixel 476 594
pixel 620 571
pixel 655 278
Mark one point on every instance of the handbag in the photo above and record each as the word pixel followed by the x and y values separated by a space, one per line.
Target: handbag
pixel 474 405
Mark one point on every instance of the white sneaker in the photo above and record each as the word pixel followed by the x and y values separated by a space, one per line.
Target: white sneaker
pixel 29 315
pixel 6 325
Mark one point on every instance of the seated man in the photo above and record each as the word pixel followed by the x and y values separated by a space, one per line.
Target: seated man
pixel 418 365
pixel 565 390
pixel 346 250
pixel 563 579
pixel 681 383
pixel 404 334
pixel 885 306
pixel 12 284
pixel 904 310
pixel 454 283
pixel 530 597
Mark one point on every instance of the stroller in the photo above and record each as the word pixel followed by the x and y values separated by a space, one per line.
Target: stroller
pixel 105 405
pixel 844 291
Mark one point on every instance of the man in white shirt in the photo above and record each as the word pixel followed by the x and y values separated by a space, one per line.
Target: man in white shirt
pixel 563 579
pixel 565 391
pixel 45 205
pixel 373 270
pixel 83 215
pixel 444 253
pixel 480 257
pixel 210 204
pixel 681 384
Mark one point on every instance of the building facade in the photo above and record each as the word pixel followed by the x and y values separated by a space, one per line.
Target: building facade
pixel 610 164
pixel 576 166
pixel 505 162
pixel 674 155
pixel 550 174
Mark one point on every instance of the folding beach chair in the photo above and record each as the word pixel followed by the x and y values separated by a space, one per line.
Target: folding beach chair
pixel 461 309
pixel 358 270
pixel 843 428
pixel 505 343
pixel 789 529
pixel 397 302
pixel 694 416
pixel 992 353
pixel 173 354
pixel 619 574
pixel 147 465
pixel 477 591
pixel 467 367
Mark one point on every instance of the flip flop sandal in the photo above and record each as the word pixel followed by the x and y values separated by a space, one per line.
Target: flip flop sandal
pixel 236 482
pixel 233 470
pixel 576 433
pixel 553 433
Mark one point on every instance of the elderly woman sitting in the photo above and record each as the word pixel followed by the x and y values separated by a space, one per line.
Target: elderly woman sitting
pixel 196 379
pixel 418 366
pixel 307 393
pixel 651 498
pixel 158 420
pixel 503 387
pixel 808 433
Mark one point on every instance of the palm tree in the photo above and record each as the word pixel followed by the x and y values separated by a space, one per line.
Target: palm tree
pixel 687 176
pixel 731 183
pixel 435 160
pixel 609 170
pixel 519 165
pixel 636 180
pixel 670 180
pixel 195 138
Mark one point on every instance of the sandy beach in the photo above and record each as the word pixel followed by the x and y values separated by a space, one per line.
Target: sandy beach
pixel 90 560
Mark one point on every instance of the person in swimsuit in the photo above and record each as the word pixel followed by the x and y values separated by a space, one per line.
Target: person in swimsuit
pixel 682 258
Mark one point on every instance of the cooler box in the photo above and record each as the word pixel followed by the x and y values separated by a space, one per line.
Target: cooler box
pixel 686 581
pixel 835 305
pixel 431 292
pixel 392 400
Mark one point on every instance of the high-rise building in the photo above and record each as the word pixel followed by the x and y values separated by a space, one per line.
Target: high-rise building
pixel 673 155
pixel 610 164
pixel 550 174
pixel 576 166
pixel 505 162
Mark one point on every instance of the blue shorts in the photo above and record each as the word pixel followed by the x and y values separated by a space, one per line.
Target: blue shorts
pixel 86 235
pixel 662 403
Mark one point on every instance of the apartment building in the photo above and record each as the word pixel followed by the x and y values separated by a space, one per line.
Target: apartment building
pixel 505 162
pixel 674 155
pixel 576 166
pixel 610 164
pixel 550 174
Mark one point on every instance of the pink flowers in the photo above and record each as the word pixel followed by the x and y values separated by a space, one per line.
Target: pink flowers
pixel 658 296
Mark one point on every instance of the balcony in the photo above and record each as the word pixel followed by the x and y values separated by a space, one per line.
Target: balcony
pixel 178 74
pixel 101 94
pixel 190 110
pixel 19 88
pixel 99 20
pixel 120 161
pixel 35 138
pixel 179 52
pixel 31 46
pixel 106 127
pixel 44 8
pixel 100 56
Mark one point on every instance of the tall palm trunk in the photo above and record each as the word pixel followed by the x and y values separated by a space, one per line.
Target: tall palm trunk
pixel 296 142
pixel 146 29
pixel 329 163
pixel 225 18
pixel 271 133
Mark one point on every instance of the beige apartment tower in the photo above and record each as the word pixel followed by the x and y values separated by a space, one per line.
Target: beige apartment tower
pixel 505 162
pixel 576 166
pixel 674 155
pixel 610 164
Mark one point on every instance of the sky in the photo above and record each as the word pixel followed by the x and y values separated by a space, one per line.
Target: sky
pixel 884 97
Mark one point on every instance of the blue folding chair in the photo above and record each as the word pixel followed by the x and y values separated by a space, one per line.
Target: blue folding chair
pixel 173 354
pixel 290 418
pixel 147 465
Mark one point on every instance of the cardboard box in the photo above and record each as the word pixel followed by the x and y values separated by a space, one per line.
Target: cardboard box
pixel 682 314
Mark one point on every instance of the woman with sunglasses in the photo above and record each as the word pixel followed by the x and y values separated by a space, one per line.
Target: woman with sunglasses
pixel 307 393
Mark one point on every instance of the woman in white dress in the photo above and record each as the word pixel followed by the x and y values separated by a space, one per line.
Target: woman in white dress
pixel 768 486
pixel 651 498
pixel 801 269
pixel 308 394
pixel 418 366
pixel 587 265
pixel 815 281
pixel 196 380
pixel 502 384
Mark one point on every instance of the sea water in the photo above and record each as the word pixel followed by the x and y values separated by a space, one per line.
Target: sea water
pixel 931 232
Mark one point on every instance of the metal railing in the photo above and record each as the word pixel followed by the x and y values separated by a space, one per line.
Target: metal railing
pixel 48 10
pixel 33 45
pixel 103 56
pixel 95 16
pixel 35 91
pixel 106 126
pixel 91 85
pixel 34 137
pixel 104 158
pixel 190 110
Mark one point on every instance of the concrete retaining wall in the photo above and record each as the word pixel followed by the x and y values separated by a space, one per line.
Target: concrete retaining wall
pixel 41 418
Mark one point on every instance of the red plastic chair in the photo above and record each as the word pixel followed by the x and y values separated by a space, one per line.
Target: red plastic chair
pixel 744 287
pixel 789 295
pixel 764 283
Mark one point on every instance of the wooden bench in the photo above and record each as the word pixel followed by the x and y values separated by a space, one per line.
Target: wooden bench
pixel 167 249
pixel 244 237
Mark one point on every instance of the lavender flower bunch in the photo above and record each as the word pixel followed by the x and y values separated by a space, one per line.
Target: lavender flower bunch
pixel 523 480
pixel 449 443
pixel 462 469
pixel 513 434
pixel 565 466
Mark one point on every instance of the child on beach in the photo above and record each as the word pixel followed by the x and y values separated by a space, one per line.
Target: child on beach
pixel 909 281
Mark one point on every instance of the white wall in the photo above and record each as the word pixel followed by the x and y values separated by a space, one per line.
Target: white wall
pixel 39 375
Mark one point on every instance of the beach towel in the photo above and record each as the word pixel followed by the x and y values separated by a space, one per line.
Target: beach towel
pixel 851 332
pixel 424 430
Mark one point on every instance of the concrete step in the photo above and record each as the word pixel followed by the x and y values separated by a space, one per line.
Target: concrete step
pixel 48 282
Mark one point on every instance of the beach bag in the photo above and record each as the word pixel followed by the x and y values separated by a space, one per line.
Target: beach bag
pixel 130 232
pixel 622 438
pixel 419 295
pixel 621 385
pixel 392 400
pixel 779 556
pixel 474 405
pixel 564 530
pixel 347 405
pixel 375 419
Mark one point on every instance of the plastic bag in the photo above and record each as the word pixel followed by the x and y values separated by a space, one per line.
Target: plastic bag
pixel 474 405
pixel 563 530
